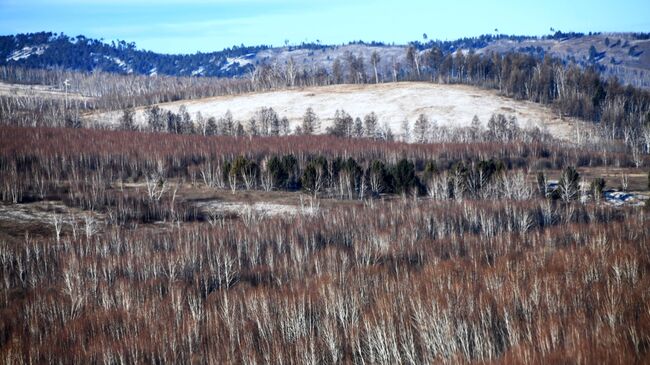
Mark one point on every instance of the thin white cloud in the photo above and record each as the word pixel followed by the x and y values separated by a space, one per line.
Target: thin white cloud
pixel 176 27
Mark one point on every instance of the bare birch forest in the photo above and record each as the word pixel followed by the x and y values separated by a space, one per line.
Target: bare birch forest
pixel 449 252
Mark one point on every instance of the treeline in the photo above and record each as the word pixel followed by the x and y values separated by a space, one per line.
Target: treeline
pixel 267 122
pixel 36 162
pixel 98 91
pixel 181 151
pixel 108 91
pixel 88 92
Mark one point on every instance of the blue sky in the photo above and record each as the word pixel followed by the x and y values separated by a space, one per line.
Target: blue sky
pixel 175 26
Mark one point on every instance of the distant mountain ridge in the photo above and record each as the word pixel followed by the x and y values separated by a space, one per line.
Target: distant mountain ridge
pixel 51 50
pixel 623 55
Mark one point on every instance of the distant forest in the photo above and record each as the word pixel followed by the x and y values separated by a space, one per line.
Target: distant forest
pixel 79 53
pixel 85 54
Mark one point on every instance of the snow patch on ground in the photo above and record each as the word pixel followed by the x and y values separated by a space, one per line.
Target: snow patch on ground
pixel 620 198
pixel 44 212
pixel 231 61
pixel 260 209
pixel 120 63
pixel 198 71
pixel 27 52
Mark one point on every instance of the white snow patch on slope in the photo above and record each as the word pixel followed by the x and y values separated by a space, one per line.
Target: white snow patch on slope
pixel 27 52
pixel 121 64
pixel 198 71
pixel 230 61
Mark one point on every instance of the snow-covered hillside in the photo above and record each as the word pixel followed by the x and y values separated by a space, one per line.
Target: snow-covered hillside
pixel 447 105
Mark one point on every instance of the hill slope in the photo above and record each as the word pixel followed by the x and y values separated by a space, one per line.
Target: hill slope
pixel 447 105
pixel 624 55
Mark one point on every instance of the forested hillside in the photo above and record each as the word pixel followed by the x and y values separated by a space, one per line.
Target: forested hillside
pixel 51 50
pixel 622 55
